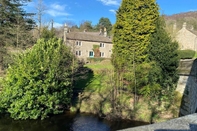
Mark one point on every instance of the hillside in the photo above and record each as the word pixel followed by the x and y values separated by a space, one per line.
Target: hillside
pixel 189 17
pixel 191 14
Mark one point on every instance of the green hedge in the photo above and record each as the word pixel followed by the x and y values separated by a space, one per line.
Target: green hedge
pixel 38 83
pixel 186 54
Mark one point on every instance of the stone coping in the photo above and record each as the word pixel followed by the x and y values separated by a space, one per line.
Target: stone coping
pixel 185 123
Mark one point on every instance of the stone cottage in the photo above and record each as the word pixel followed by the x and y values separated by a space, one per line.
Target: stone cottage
pixel 83 43
pixel 186 38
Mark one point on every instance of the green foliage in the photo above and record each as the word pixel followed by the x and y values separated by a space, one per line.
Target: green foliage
pixel 95 47
pixel 186 54
pixel 15 26
pixel 38 82
pixel 163 52
pixel 135 22
pixel 15 23
pixel 96 51
pixel 105 23
pixel 86 25
pixel 47 34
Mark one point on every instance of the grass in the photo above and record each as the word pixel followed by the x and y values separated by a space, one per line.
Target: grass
pixel 97 97
pixel 195 56
pixel 95 66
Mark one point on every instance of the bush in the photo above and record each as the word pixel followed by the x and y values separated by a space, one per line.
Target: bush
pixel 38 82
pixel 186 54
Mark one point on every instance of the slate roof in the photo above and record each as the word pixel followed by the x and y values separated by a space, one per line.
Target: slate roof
pixel 88 36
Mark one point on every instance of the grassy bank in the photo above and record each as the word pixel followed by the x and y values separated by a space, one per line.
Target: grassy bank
pixel 98 96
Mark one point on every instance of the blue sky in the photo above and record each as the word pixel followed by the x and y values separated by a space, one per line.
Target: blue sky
pixel 78 11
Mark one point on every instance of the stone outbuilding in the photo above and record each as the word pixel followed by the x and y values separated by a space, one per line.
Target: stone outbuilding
pixel 187 39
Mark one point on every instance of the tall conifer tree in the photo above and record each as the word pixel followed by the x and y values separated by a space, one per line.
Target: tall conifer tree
pixel 15 25
pixel 135 21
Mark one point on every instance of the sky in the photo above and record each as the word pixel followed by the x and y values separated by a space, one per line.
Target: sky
pixel 77 11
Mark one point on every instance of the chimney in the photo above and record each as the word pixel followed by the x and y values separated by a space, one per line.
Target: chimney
pixel 184 25
pixel 174 27
pixel 100 31
pixel 65 32
pixel 105 32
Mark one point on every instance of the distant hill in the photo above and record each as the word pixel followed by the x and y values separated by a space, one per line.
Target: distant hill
pixel 189 17
pixel 191 14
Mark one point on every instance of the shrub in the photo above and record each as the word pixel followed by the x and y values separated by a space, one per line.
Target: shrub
pixel 38 82
pixel 186 54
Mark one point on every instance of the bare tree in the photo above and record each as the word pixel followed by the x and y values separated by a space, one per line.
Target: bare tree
pixel 40 10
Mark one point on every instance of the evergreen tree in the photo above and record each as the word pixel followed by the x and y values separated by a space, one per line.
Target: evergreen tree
pixel 15 25
pixel 163 52
pixel 47 34
pixel 135 22
pixel 86 25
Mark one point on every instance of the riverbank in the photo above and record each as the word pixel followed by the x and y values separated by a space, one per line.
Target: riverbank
pixel 97 97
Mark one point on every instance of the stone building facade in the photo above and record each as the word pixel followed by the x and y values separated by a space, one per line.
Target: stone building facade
pixel 83 43
pixel 186 38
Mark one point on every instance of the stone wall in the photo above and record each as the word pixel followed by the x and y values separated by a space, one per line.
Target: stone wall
pixel 187 85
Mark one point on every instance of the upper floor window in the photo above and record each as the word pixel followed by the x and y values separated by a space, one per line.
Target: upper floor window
pixel 78 43
pixel 102 45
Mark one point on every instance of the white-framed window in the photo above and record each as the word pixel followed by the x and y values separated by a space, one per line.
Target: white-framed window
pixel 78 43
pixel 102 45
pixel 102 54
pixel 78 53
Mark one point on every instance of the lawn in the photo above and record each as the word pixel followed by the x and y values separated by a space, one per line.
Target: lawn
pixel 95 66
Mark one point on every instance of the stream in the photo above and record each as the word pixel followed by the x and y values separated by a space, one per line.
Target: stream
pixel 66 122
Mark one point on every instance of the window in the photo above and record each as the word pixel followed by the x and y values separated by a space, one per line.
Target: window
pixel 78 53
pixel 102 54
pixel 102 45
pixel 78 43
pixel 91 54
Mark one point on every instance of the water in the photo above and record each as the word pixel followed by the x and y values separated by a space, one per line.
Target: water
pixel 66 122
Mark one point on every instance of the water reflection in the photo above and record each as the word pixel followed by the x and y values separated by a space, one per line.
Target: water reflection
pixel 89 123
pixel 65 122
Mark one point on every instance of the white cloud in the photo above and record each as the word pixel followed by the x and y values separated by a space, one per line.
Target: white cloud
pixel 56 25
pixel 57 10
pixel 56 13
pixel 58 7
pixel 193 10
pixel 110 2
pixel 113 11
